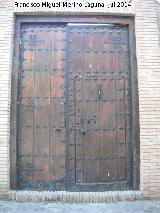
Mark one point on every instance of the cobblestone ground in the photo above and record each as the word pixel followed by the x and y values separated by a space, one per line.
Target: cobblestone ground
pixel 116 207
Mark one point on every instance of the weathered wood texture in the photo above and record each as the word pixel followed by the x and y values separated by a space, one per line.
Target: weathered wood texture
pixel 41 148
pixel 74 107
pixel 100 100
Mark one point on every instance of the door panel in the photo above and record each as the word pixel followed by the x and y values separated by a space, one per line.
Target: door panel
pixel 41 147
pixel 98 65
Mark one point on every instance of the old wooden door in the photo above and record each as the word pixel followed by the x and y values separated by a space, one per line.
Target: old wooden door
pixel 41 132
pixel 74 107
pixel 99 107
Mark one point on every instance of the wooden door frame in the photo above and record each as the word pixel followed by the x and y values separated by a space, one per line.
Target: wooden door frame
pixel 135 147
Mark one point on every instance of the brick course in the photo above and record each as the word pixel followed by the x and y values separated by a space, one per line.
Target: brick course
pixel 158 17
pixel 147 21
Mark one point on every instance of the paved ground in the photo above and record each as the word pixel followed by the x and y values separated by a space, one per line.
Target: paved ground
pixel 116 207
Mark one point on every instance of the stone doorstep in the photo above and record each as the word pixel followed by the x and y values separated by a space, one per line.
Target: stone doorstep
pixel 63 196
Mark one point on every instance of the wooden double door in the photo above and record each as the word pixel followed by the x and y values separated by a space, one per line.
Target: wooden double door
pixel 74 107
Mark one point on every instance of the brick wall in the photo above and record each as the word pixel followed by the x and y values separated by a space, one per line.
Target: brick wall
pixel 158 17
pixel 6 32
pixel 148 59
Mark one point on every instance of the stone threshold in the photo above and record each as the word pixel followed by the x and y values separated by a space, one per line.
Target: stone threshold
pixel 65 196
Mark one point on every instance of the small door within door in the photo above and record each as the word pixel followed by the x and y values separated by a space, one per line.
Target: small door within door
pixel 99 107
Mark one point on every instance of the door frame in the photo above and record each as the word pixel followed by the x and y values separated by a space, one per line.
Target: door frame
pixel 96 19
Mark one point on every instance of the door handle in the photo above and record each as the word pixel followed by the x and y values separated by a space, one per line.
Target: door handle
pixel 83 131
pixel 59 129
